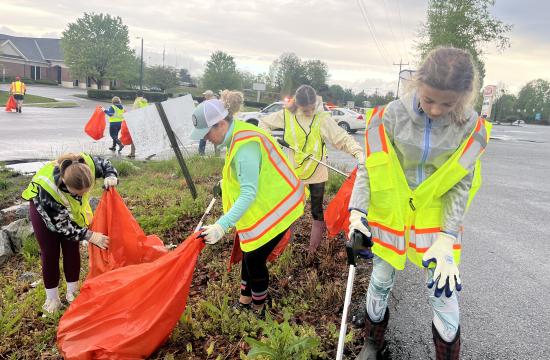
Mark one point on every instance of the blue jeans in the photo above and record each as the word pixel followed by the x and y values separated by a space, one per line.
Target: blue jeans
pixel 202 146
pixel 445 310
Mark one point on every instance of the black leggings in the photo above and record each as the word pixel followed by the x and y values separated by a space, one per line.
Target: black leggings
pixel 317 192
pixel 254 274
pixel 114 129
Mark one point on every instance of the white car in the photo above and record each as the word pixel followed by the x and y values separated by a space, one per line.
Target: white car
pixel 253 117
pixel 348 119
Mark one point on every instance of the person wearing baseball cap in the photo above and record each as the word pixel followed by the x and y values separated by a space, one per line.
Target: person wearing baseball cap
pixel 261 194
pixel 208 95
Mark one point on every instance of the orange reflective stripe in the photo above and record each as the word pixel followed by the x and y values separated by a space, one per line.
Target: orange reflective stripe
pixel 393 231
pixel 389 246
pixel 475 146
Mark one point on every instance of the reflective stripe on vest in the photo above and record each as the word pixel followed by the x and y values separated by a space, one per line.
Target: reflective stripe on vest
pixel 118 115
pixel 79 211
pixel 408 221
pixel 307 143
pixel 282 196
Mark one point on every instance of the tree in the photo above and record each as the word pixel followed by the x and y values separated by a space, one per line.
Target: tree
pixel 504 108
pixel 161 77
pixel 185 76
pixel 316 73
pixel 287 73
pixel 465 24
pixel 534 97
pixel 97 46
pixel 221 73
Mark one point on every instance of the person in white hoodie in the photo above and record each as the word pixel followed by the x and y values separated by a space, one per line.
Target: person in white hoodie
pixel 421 171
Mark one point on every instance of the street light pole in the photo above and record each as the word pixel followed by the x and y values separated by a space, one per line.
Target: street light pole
pixel 141 69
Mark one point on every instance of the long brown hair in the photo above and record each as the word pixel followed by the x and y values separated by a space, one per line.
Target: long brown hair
pixel 74 171
pixel 305 95
pixel 448 68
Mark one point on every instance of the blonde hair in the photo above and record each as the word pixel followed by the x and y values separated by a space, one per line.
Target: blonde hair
pixel 116 100
pixel 74 171
pixel 451 69
pixel 232 100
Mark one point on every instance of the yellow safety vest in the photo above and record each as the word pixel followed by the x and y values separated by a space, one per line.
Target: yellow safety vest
pixel 80 211
pixel 404 222
pixel 118 115
pixel 281 194
pixel 306 142
pixel 17 88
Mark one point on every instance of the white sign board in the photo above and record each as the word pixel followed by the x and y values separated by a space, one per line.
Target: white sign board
pixel 148 133
pixel 258 87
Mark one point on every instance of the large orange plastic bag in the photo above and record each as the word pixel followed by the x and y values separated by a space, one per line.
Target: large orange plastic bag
pixel 125 136
pixel 128 244
pixel 237 253
pixel 96 125
pixel 129 312
pixel 337 213
pixel 11 104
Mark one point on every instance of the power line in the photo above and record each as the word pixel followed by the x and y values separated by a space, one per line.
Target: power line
pixel 401 28
pixel 372 30
pixel 389 21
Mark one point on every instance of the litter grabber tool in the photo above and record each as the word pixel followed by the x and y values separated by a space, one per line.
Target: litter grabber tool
pixel 283 143
pixel 206 212
pixel 358 242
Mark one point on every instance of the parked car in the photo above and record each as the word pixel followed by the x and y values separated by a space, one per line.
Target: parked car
pixel 349 120
pixel 253 117
pixel 518 122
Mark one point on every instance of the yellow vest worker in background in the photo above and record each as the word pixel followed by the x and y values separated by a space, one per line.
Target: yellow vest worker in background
pixel 116 117
pixel 262 195
pixel 421 171
pixel 307 127
pixel 18 90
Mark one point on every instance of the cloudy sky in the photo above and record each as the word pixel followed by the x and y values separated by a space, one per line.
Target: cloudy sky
pixel 360 40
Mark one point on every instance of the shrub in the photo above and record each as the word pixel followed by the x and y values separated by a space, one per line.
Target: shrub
pixel 126 95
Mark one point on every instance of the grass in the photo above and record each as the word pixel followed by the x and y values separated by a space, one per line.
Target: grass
pixel 29 99
pixel 305 292
pixel 11 186
pixel 55 105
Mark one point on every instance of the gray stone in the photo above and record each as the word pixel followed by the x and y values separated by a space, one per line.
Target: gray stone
pixel 17 231
pixel 20 211
pixel 5 248
pixel 93 203
pixel 27 276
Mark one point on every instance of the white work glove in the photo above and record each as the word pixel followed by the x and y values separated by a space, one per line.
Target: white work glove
pixel 358 221
pixel 110 181
pixel 212 233
pixel 446 272
pixel 99 240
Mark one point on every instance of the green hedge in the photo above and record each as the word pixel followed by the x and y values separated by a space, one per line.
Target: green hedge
pixel 246 102
pixel 30 81
pixel 126 95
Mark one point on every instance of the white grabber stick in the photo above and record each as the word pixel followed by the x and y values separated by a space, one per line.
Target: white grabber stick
pixel 206 212
pixel 358 241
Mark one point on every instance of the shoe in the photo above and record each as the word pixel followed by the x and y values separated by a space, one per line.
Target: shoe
pixel 120 148
pixel 131 156
pixel 52 305
pixel 239 306
pixel 112 148
pixel 70 297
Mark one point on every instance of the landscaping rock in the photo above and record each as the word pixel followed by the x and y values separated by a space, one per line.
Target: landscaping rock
pixel 20 211
pixel 17 231
pixel 28 276
pixel 93 203
pixel 5 248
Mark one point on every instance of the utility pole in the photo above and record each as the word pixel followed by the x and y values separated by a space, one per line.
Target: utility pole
pixel 163 53
pixel 141 68
pixel 399 77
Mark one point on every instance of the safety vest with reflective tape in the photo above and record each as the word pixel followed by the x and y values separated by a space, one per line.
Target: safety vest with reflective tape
pixel 307 143
pixel 281 194
pixel 79 211
pixel 118 115
pixel 404 222
pixel 17 88
pixel 142 103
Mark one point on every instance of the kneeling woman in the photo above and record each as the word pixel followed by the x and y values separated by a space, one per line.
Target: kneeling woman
pixel 60 214
pixel 262 195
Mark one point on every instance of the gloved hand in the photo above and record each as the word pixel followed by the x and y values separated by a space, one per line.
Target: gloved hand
pixel 217 189
pixel 212 233
pixel 99 240
pixel 446 272
pixel 358 221
pixel 360 158
pixel 110 181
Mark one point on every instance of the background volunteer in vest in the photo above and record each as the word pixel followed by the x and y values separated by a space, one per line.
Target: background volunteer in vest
pixel 139 102
pixel 251 188
pixel 18 90
pixel 425 128
pixel 307 127
pixel 60 214
pixel 116 117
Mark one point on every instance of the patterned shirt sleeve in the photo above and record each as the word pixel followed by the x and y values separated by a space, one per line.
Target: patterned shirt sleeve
pixel 103 168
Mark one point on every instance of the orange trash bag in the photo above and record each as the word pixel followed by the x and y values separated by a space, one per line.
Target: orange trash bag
pixel 129 312
pixel 237 253
pixel 125 137
pixel 11 104
pixel 95 127
pixel 128 244
pixel 337 213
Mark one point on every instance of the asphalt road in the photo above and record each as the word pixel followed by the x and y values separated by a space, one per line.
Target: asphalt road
pixel 505 310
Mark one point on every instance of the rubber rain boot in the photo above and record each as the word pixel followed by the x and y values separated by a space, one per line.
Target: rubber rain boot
pixel 375 343
pixel 446 350
pixel 317 233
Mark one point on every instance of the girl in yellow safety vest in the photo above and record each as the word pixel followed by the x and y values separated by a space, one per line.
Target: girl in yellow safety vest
pixel 307 127
pixel 421 172
pixel 60 214
pixel 262 195
pixel 116 117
